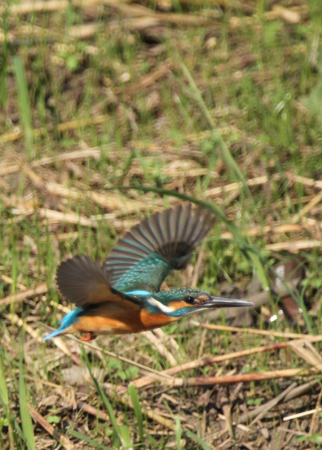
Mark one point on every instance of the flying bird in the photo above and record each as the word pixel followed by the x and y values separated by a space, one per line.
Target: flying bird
pixel 122 295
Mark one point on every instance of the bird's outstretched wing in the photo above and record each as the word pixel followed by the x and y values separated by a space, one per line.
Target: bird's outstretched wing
pixel 159 244
pixel 84 282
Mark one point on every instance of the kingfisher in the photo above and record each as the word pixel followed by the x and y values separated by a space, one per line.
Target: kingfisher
pixel 122 295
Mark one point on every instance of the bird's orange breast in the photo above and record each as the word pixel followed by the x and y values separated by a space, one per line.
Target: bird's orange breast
pixel 151 320
pixel 111 319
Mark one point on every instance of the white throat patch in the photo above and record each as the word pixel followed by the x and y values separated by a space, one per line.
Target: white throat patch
pixel 165 309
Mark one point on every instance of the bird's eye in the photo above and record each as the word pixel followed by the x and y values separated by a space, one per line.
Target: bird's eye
pixel 189 300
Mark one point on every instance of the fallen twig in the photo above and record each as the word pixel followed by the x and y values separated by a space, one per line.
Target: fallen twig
pixel 243 378
pixel 160 347
pixel 22 295
pixel 236 186
pixel 301 414
pixel 301 390
pixel 294 246
pixel 307 208
pixel 71 156
pixel 277 229
pixel 270 333
pixel 65 126
pixel 303 180
pixel 306 351
pixel 144 381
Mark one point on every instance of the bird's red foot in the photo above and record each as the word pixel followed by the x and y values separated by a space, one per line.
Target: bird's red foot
pixel 89 336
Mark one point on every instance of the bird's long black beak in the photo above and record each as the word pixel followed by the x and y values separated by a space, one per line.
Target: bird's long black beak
pixel 221 302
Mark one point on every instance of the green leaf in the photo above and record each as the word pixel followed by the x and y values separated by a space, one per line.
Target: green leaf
pixel 72 62
pixel 114 364
pixel 316 438
pixel 4 422
pixel 53 419
pixel 128 373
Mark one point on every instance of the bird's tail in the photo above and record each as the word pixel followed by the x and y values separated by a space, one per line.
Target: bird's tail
pixel 66 322
pixel 54 334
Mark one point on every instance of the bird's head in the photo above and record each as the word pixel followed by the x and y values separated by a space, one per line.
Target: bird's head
pixel 180 302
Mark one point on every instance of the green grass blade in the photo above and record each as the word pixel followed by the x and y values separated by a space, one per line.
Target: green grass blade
pixel 181 432
pixel 26 421
pixel 125 437
pixel 101 393
pixel 4 57
pixel 196 438
pixel 84 438
pixel 4 396
pixel 225 153
pixel 24 103
pixel 178 432
pixel 121 432
pixel 4 399
pixel 137 410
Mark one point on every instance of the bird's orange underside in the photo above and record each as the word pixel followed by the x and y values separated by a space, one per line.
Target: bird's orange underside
pixel 120 321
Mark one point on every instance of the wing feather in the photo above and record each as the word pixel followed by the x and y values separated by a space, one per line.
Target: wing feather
pixel 83 281
pixel 159 244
